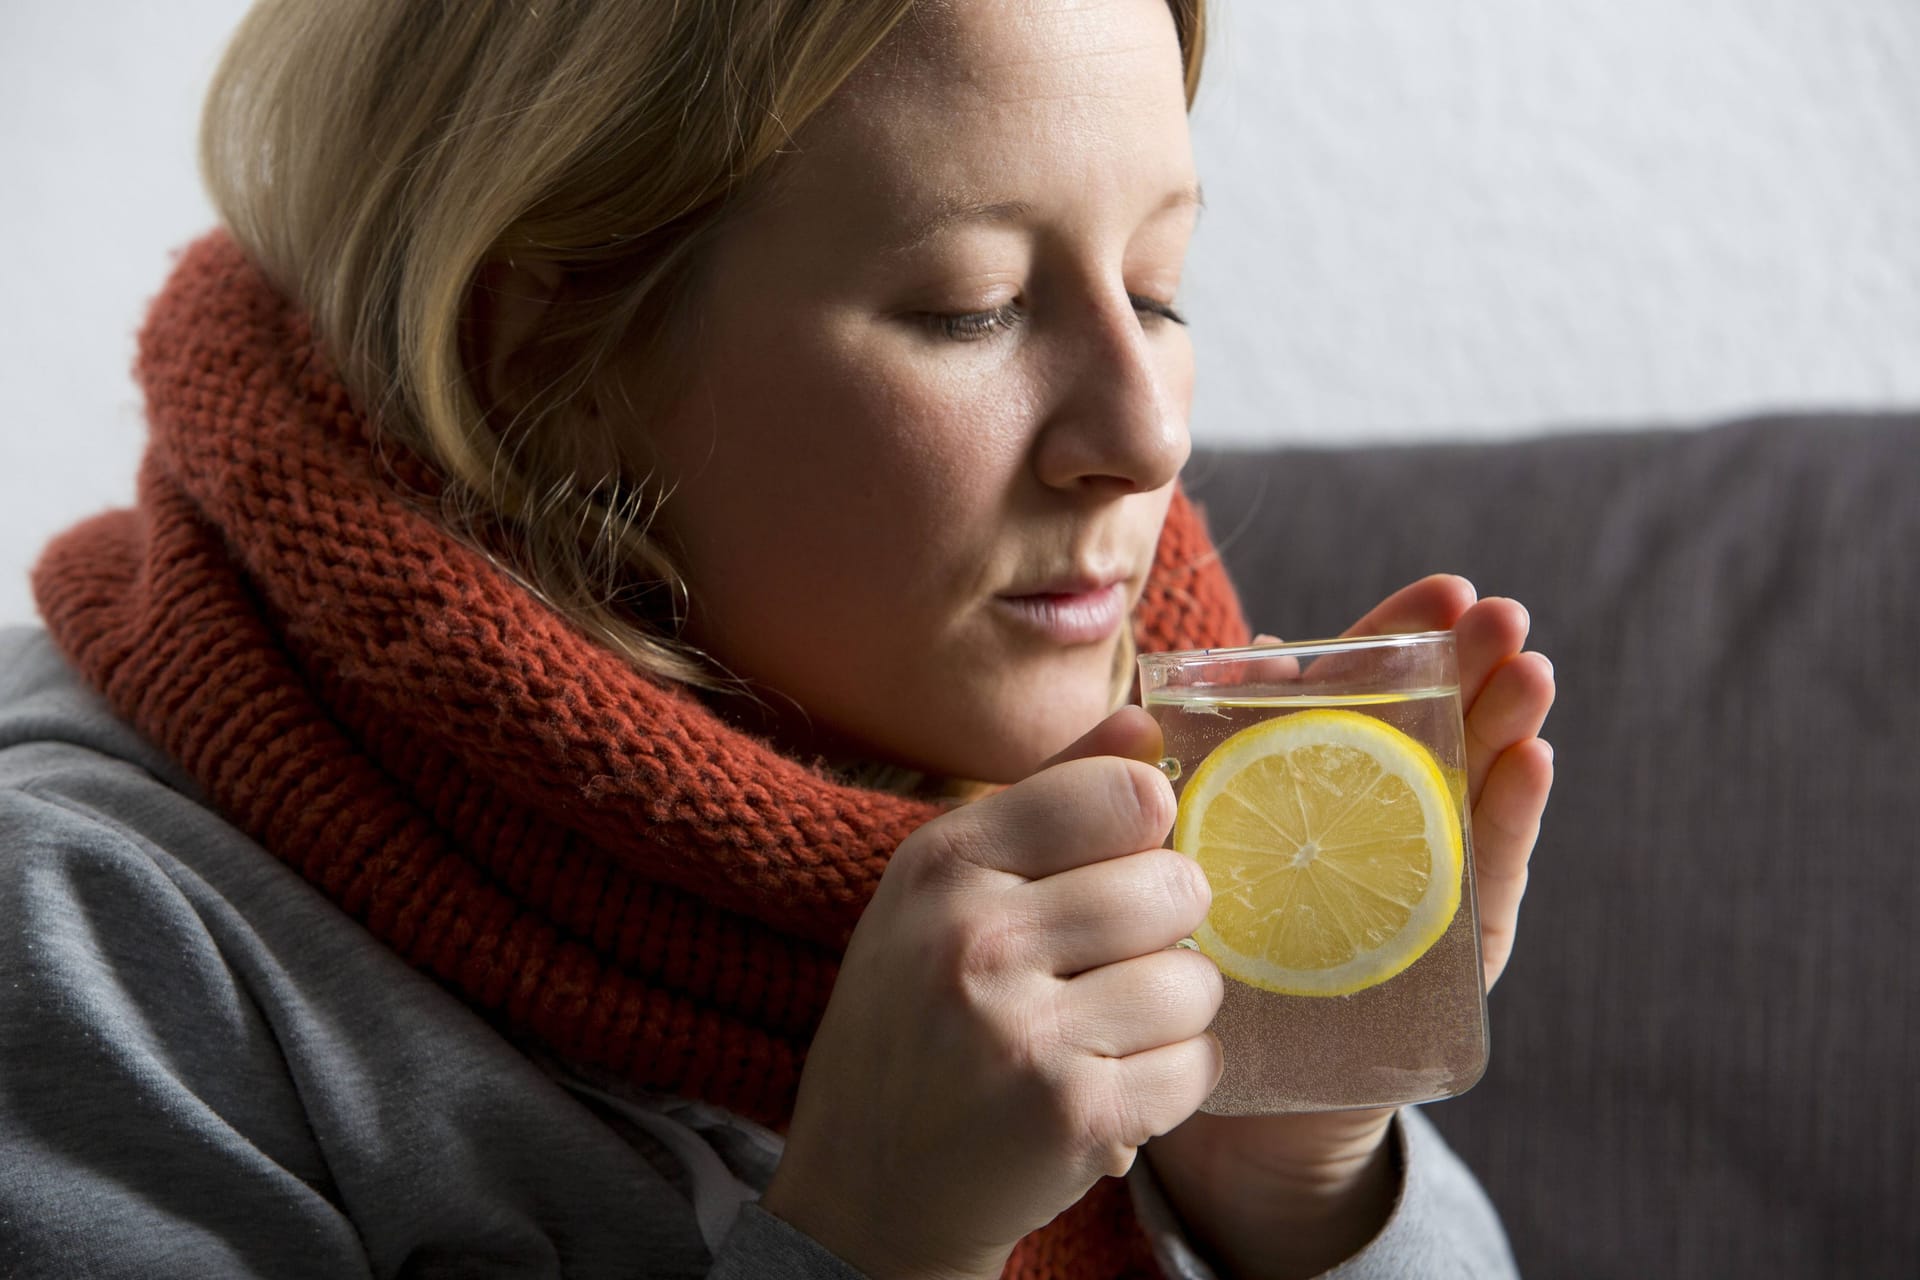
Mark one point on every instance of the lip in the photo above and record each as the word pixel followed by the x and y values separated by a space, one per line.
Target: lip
pixel 1070 612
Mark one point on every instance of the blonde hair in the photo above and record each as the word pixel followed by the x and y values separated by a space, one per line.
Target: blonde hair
pixel 374 156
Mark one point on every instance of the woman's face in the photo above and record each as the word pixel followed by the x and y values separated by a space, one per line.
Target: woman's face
pixel 939 397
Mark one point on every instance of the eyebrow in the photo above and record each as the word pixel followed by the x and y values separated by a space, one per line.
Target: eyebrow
pixel 952 215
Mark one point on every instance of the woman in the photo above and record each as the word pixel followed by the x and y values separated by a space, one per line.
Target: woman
pixel 642 491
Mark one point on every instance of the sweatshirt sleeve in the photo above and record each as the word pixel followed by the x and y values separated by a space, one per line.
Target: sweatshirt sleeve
pixel 761 1245
pixel 150 1127
pixel 1442 1227
pixel 206 1071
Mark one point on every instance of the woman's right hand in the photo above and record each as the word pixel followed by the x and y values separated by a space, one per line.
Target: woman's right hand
pixel 1010 1023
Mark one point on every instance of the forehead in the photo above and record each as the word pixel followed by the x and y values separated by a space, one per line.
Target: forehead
pixel 971 97
pixel 986 48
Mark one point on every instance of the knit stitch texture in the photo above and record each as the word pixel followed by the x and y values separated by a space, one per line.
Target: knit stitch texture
pixel 591 858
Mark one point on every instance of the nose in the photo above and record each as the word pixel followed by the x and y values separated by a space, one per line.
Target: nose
pixel 1118 418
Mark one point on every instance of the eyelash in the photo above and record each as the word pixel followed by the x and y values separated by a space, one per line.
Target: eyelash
pixel 975 325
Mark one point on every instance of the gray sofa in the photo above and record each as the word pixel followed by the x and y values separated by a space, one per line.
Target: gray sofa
pixel 1707 1049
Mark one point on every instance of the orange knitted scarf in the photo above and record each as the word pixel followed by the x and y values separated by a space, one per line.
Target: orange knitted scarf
pixel 590 858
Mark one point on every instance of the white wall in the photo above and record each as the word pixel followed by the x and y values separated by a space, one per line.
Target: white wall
pixel 98 100
pixel 1452 217
pixel 1494 216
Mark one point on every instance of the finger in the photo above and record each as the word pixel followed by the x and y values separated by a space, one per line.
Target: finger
pixel 1279 668
pixel 1511 708
pixel 1161 1087
pixel 1506 823
pixel 1142 1003
pixel 1282 669
pixel 1486 635
pixel 1113 910
pixel 1070 815
pixel 1432 604
pixel 1129 733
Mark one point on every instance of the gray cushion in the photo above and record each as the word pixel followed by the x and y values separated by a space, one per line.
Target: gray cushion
pixel 1707 1046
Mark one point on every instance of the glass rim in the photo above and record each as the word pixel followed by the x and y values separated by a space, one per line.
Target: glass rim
pixel 1242 653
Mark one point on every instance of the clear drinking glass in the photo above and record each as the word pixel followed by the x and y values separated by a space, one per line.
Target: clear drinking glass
pixel 1339 852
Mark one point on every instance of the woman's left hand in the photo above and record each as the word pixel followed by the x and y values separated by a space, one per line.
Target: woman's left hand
pixel 1280 1196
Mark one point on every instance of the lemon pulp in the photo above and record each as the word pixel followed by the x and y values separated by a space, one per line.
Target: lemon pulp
pixel 1332 842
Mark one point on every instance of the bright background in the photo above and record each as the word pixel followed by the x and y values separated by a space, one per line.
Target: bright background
pixel 1436 220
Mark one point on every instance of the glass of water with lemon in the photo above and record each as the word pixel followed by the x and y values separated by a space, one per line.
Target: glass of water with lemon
pixel 1322 787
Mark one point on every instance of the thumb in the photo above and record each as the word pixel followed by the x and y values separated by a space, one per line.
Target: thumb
pixel 1129 732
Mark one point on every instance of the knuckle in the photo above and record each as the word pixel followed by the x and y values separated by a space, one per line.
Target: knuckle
pixel 1479 740
pixel 924 856
pixel 1029 1041
pixel 1505 831
pixel 1102 1121
pixel 1183 882
pixel 941 852
pixel 1160 992
pixel 1092 1116
pixel 981 953
pixel 1184 981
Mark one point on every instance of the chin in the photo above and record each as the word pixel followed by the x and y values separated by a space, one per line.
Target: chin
pixel 994 724
pixel 1033 732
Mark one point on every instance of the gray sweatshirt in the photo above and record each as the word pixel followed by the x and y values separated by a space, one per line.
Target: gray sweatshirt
pixel 207 1070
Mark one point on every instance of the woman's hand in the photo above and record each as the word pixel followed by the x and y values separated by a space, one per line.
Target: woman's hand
pixel 1292 1195
pixel 1010 1023
pixel 1505 694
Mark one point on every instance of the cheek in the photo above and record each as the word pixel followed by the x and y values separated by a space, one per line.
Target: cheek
pixel 912 421
pixel 817 464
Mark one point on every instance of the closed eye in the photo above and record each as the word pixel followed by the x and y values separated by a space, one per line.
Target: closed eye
pixel 1156 308
pixel 972 326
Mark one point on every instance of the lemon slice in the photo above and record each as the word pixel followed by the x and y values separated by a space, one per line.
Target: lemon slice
pixel 1332 843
